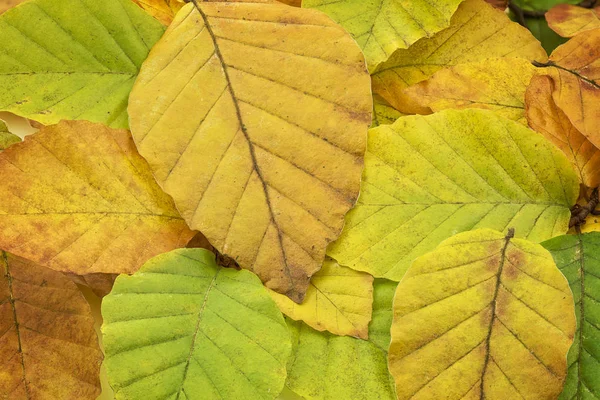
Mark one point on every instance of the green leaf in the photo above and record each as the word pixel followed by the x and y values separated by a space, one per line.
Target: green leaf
pixel 540 29
pixel 577 257
pixel 541 5
pixel 182 327
pixel 382 26
pixel 383 297
pixel 383 112
pixel 427 178
pixel 73 59
pixel 7 138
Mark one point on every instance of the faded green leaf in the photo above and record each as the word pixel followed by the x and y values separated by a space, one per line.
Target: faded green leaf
pixel 382 26
pixel 427 178
pixel 73 59
pixel 383 112
pixel 7 138
pixel 577 257
pixel 383 297
pixel 183 327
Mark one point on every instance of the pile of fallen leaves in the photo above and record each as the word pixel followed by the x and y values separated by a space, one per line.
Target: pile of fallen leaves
pixel 349 199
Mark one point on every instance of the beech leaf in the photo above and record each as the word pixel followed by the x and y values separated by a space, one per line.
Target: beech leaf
pixel 49 348
pixel 338 300
pixel 379 327
pixel 569 20
pixel 497 84
pixel 382 26
pixel 73 59
pixel 162 10
pixel 429 177
pixel 482 316
pixel 183 327
pixel 545 117
pixel 383 112
pixel 268 159
pixel 6 138
pixel 77 197
pixel 477 32
pixel 576 256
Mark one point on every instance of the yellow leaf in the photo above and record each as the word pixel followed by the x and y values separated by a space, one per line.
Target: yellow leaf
pixel 545 117
pixel 575 69
pixel 568 20
pixel 49 349
pixel 338 300
pixel 383 112
pixel 482 316
pixel 429 177
pixel 496 84
pixel 382 26
pixel 477 32
pixel 260 137
pixel 163 10
pixel 77 197
pixel 6 138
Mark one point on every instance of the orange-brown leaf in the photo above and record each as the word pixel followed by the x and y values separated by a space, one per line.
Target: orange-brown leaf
pixel 501 4
pixel 8 4
pixel 48 347
pixel 77 197
pixel 568 20
pixel 546 118
pixel 162 10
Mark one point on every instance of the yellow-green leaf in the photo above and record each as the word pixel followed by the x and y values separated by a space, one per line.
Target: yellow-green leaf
pixel 568 20
pixel 379 327
pixel 383 112
pixel 477 32
pixel 254 118
pixel 382 26
pixel 6 138
pixel 482 316
pixel 577 258
pixel 73 59
pixel 162 10
pixel 77 197
pixel 48 347
pixel 183 327
pixel 427 178
pixel 338 300
pixel 497 84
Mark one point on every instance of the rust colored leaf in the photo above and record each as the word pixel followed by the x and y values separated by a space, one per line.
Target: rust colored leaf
pixel 568 20
pixel 77 197
pixel 48 347
pixel 500 4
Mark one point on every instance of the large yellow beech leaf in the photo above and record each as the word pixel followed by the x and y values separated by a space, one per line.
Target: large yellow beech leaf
pixel 162 10
pixel 338 300
pixel 484 316
pixel 48 346
pixel 382 26
pixel 429 177
pixel 568 20
pixel 545 117
pixel 77 197
pixel 260 138
pixel 575 68
pixel 477 32
pixel 497 84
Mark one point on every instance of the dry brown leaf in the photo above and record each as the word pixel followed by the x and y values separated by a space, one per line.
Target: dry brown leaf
pixel 48 345
pixel 568 20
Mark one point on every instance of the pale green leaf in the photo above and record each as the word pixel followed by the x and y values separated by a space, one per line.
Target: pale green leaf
pixel 7 138
pixel 383 112
pixel 379 328
pixel 184 328
pixel 382 26
pixel 73 59
pixel 427 178
pixel 577 257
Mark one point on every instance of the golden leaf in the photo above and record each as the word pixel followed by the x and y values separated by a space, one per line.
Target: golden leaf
pixel 568 20
pixel 163 10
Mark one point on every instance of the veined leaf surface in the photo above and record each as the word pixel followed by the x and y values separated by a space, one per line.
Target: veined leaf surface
pixel 77 197
pixel 183 327
pixel 73 59
pixel 48 345
pixel 383 112
pixel 259 155
pixel 568 20
pixel 477 32
pixel 428 177
pixel 482 316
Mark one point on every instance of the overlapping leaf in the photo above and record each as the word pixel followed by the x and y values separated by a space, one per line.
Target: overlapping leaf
pixel 382 26
pixel 569 20
pixel 496 84
pixel 429 177
pixel 338 300
pixel 48 346
pixel 549 39
pixel 574 68
pixel 259 155
pixel 482 316
pixel 6 138
pixel 545 117
pixel 383 112
pixel 577 258
pixel 183 327
pixel 477 32
pixel 328 367
pixel 77 197
pixel 73 59
pixel 162 10
pixel 541 5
